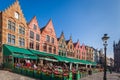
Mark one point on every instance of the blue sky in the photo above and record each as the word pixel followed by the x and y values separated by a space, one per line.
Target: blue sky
pixel 86 20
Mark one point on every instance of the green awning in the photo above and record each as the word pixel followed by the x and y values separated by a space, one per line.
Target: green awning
pixel 17 52
pixel 92 63
pixel 59 58
pixel 41 54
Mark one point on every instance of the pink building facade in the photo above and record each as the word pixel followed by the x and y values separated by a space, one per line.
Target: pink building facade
pixel 77 50
pixel 83 52
pixel 34 34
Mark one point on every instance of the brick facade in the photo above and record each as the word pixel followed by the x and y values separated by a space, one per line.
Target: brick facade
pixel 49 39
pixel 70 48
pixel 89 53
pixel 83 52
pixel 34 27
pixel 77 50
pixel 15 31
pixel 62 45
pixel 13 14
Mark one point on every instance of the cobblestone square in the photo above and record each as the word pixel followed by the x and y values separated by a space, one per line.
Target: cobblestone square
pixel 6 75
pixel 99 76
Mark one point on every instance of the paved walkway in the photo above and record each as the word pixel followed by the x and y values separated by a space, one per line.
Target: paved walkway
pixel 99 76
pixel 6 75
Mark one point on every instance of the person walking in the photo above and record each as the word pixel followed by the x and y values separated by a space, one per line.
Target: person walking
pixel 110 70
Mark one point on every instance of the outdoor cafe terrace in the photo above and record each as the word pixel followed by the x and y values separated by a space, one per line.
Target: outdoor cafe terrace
pixel 45 66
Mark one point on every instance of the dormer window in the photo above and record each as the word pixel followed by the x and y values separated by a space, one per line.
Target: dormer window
pixel 16 15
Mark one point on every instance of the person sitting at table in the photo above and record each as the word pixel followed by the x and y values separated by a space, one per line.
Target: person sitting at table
pixel 28 64
pixel 34 66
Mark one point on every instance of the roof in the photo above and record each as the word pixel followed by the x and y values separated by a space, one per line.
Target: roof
pixel 75 44
pixel 42 28
pixel 67 41
pixel 31 20
pixel 58 39
pixel 46 25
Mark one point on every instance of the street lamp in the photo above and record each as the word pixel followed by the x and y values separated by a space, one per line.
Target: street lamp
pixel 105 38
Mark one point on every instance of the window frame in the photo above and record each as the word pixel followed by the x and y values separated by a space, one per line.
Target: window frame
pixel 47 38
pixel 21 30
pixel 11 25
pixel 31 35
pixel 11 38
pixel 37 37
pixel 21 42
pixel 34 26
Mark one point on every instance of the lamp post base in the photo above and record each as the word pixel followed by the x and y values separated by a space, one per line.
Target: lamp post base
pixel 104 78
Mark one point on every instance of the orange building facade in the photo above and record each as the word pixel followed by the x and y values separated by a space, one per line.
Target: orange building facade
pixel 70 48
pixel 48 39
pixel 62 45
pixel 13 27
pixel 14 30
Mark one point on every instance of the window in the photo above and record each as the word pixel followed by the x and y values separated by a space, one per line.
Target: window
pixel 34 27
pixel 16 14
pixel 11 25
pixel 54 50
pixel 31 45
pixel 62 40
pixel 21 41
pixel 52 40
pixel 11 39
pixel 48 38
pixel 45 47
pixel 21 30
pixel 32 34
pixel 37 37
pixel 50 49
pixel 37 46
pixel 70 46
pixel 60 53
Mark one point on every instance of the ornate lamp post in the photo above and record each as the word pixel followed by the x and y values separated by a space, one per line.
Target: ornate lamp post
pixel 105 38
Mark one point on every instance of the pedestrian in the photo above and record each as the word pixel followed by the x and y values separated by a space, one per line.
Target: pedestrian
pixel 110 70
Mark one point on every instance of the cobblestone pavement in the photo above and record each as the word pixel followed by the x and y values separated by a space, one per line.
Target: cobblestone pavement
pixel 99 76
pixel 6 75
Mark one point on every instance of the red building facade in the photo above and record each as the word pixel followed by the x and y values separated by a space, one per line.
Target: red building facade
pixel 49 39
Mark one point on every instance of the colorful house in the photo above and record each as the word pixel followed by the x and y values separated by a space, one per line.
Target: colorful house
pixel 89 53
pixel 34 34
pixel 70 48
pixel 83 52
pixel 13 27
pixel 77 50
pixel 61 45
pixel 49 39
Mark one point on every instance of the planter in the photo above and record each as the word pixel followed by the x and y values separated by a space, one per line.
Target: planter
pixel 23 71
pixel 37 74
pixel 30 73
